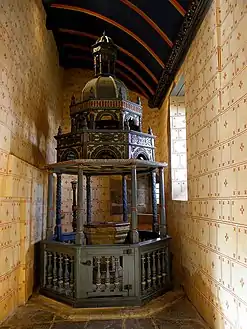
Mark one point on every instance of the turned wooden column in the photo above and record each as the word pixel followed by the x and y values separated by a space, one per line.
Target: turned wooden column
pixel 74 211
pixel 79 238
pixel 134 235
pixel 50 209
pixel 58 228
pixel 125 199
pixel 162 203
pixel 89 199
pixel 155 224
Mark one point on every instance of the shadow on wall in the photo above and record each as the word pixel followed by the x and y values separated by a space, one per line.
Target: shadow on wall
pixel 191 285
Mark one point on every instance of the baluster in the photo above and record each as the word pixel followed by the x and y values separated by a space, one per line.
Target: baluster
pixel 163 267
pixel 45 269
pixel 154 269
pixel 167 265
pixel 107 279
pixel 149 270
pixel 98 277
pixel 60 273
pixel 143 284
pixel 66 275
pixel 113 263
pixel 49 270
pixel 71 276
pixel 116 274
pixel 158 267
pixel 54 271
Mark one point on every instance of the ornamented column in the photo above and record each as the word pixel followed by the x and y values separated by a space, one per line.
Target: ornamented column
pixel 134 234
pixel 89 199
pixel 49 226
pixel 79 238
pixel 74 211
pixel 162 203
pixel 154 202
pixel 125 199
pixel 58 228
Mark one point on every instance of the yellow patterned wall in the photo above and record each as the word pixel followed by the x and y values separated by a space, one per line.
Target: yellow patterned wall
pixel 210 230
pixel 30 112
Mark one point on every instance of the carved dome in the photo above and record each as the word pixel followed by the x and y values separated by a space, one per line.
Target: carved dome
pixel 104 87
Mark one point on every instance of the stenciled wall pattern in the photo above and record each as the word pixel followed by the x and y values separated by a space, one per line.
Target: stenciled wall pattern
pixel 30 112
pixel 209 231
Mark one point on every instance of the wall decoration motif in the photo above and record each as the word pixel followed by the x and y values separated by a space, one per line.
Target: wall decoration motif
pixel 209 231
pixel 29 116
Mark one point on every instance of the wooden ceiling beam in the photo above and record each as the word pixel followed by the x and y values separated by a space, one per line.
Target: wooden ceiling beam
pixel 149 21
pixel 112 22
pixel 126 52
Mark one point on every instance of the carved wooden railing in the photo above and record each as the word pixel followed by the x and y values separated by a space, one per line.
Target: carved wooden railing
pixel 105 275
pixel 154 265
pixel 59 266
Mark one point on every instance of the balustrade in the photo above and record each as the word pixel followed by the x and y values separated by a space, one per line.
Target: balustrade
pixel 91 275
pixel 58 272
pixel 107 274
pixel 154 268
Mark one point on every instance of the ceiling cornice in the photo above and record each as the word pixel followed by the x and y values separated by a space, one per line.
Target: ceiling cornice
pixel 189 28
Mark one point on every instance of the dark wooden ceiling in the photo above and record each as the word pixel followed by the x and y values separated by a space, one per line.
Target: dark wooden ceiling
pixel 153 37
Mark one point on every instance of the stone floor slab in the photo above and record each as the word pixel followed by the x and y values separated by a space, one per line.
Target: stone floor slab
pixel 177 314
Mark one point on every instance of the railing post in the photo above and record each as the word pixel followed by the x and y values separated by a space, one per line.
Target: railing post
pixel 50 210
pixel 162 203
pixel 154 202
pixel 134 235
pixel 80 239
pixel 58 228
pixel 124 197
pixel 89 199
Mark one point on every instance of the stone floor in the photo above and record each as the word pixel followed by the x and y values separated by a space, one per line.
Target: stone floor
pixel 179 314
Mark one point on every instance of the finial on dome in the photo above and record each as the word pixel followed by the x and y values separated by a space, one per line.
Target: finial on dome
pixel 105 53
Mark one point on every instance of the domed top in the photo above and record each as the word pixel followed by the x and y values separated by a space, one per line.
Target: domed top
pixel 104 87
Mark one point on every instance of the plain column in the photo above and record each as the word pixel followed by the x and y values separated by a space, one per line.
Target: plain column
pixel 58 229
pixel 134 235
pixel 50 210
pixel 89 199
pixel 162 203
pixel 124 197
pixel 79 238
